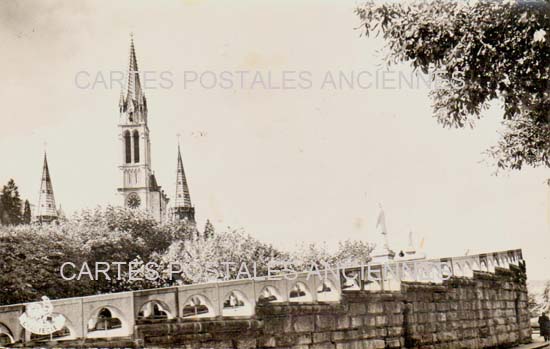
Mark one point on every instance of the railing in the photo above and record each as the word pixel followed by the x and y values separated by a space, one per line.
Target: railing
pixel 114 315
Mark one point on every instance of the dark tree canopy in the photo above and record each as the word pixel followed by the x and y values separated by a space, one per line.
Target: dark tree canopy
pixel 11 204
pixel 499 49
pixel 209 230
pixel 27 217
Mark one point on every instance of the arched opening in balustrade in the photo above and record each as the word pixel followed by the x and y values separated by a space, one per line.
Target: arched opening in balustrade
pixel 474 265
pixel 300 293
pixel 327 292
pixel 484 266
pixel 506 261
pixel 269 294
pixel 236 304
pixel 197 306
pixel 458 270
pixel 350 281
pixel 493 263
pixel 107 321
pixel 446 270
pixel 154 310
pixel 6 337
pixel 468 269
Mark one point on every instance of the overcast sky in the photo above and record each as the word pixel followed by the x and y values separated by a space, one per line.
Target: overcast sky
pixel 285 165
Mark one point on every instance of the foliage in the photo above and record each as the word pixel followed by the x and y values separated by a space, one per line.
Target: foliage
pixel 209 230
pixel 355 252
pixel 33 254
pixel 349 252
pixel 26 219
pixel 220 257
pixel 31 259
pixel 533 305
pixel 11 204
pixel 483 51
pixel 234 254
pixel 539 302
pixel 546 297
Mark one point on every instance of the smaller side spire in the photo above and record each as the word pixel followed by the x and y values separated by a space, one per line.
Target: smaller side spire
pixel 183 197
pixel 183 209
pixel 47 210
pixel 121 102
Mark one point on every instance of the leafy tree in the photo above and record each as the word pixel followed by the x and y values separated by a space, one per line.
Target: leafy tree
pixel 546 297
pixel 31 258
pixel 27 213
pixel 11 203
pixel 33 254
pixel 483 50
pixel 220 257
pixel 209 230
pixel 3 214
pixel 532 304
pixel 355 252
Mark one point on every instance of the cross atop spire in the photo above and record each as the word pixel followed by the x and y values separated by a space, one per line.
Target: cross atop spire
pixel 47 210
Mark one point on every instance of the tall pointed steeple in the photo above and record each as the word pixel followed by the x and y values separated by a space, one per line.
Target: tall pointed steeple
pixel 183 198
pixel 183 209
pixel 47 210
pixel 132 101
pixel 133 88
pixel 139 188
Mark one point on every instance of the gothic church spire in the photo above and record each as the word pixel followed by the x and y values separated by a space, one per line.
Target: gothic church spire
pixel 133 99
pixel 183 198
pixel 183 209
pixel 47 211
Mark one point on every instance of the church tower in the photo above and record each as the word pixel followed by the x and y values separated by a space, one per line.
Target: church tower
pixel 46 210
pixel 139 188
pixel 183 210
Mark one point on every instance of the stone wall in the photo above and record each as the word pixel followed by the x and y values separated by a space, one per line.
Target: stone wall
pixel 486 311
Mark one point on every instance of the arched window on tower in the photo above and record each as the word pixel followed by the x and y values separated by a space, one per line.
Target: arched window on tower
pixel 136 146
pixel 127 147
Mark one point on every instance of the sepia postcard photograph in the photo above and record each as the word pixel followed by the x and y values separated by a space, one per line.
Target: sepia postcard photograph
pixel 308 174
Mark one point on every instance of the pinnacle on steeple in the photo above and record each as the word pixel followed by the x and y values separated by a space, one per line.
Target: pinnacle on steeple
pixel 183 198
pixel 134 84
pixel 121 101
pixel 183 209
pixel 133 100
pixel 47 210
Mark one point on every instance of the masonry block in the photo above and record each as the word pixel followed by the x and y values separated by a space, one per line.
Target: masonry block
pixel 304 323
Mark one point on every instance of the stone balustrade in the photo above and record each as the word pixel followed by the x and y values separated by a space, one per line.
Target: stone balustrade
pixel 116 315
